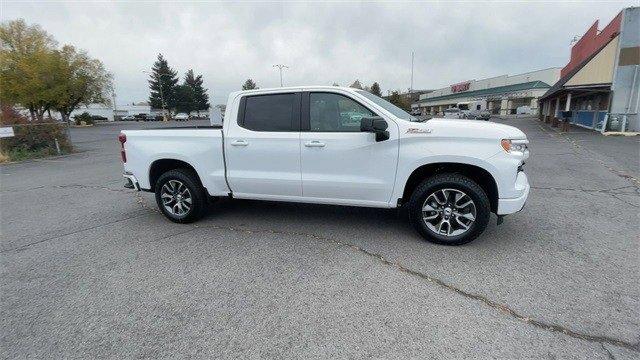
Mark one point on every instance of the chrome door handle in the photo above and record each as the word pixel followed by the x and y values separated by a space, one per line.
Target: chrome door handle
pixel 314 143
pixel 239 143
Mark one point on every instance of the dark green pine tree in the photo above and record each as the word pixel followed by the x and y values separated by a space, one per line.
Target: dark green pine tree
pixel 200 98
pixel 249 85
pixel 185 99
pixel 375 89
pixel 162 84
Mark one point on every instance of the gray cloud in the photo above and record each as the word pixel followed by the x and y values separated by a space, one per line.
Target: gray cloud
pixel 321 42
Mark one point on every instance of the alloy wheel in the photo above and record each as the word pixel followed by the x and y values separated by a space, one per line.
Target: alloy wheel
pixel 449 212
pixel 176 198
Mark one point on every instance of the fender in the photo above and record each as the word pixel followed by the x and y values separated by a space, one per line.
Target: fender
pixel 405 170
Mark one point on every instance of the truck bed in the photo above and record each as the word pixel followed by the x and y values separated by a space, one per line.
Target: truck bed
pixel 199 146
pixel 189 127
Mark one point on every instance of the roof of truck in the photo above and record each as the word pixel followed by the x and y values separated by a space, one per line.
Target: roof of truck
pixel 294 88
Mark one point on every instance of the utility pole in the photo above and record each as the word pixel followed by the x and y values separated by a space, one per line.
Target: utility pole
pixel 280 67
pixel 411 88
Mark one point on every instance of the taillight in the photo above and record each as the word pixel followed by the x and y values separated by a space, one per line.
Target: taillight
pixel 123 139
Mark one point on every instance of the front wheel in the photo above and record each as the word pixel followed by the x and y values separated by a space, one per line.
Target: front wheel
pixel 449 209
pixel 180 196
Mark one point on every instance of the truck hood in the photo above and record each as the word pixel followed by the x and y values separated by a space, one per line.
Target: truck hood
pixel 477 129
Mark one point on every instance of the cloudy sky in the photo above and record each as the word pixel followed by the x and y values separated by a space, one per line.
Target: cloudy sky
pixel 322 43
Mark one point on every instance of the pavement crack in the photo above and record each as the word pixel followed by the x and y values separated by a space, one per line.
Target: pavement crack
pixel 69 186
pixel 22 247
pixel 609 354
pixel 505 309
pixel 615 192
pixel 90 187
pixel 623 200
pixel 557 188
pixel 594 156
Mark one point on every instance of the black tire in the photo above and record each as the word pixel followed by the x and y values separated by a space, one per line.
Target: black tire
pixel 196 190
pixel 449 181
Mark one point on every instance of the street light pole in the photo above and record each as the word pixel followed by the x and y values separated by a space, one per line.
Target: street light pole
pixel 411 88
pixel 280 66
pixel 162 103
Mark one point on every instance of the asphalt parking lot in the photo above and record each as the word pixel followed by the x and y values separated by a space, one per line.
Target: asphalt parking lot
pixel 90 269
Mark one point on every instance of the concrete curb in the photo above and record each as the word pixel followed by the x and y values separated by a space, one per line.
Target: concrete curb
pixel 619 133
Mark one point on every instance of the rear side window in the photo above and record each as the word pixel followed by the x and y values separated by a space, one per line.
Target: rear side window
pixel 277 112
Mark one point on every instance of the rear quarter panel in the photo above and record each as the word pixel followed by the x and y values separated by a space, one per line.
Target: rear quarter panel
pixel 201 148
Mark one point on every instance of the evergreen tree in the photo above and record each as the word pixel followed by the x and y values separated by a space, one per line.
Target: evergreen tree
pixel 199 98
pixel 375 89
pixel 185 99
pixel 356 85
pixel 162 84
pixel 249 85
pixel 399 100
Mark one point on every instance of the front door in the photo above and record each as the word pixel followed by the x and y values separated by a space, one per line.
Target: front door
pixel 341 164
pixel 263 148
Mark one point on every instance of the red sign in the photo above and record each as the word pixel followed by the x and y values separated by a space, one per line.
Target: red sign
pixel 592 41
pixel 463 86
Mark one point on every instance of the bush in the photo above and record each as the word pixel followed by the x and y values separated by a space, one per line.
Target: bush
pixel 32 139
pixel 83 119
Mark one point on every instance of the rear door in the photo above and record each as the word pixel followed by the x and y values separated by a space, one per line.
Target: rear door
pixel 341 164
pixel 263 148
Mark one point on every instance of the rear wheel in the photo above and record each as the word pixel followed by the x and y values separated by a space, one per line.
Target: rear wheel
pixel 180 196
pixel 449 209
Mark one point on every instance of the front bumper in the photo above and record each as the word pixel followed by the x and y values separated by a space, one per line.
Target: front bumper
pixel 130 181
pixel 513 205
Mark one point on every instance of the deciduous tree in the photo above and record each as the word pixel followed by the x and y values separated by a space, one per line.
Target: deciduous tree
pixel 26 66
pixel 36 74
pixel 81 81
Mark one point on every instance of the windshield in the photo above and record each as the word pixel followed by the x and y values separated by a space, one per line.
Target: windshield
pixel 396 111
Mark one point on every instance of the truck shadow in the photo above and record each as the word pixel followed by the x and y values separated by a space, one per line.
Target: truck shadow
pixel 347 223
pixel 308 218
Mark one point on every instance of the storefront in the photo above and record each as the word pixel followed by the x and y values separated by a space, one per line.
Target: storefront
pixel 599 86
pixel 502 95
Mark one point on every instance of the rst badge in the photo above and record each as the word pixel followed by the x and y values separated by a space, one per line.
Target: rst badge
pixel 418 131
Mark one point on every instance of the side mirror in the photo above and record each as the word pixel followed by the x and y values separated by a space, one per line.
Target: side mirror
pixel 376 125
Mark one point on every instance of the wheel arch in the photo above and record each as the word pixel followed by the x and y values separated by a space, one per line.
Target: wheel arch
pixel 160 166
pixel 481 176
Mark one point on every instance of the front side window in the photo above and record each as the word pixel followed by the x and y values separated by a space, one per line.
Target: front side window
pixel 329 112
pixel 269 112
pixel 396 111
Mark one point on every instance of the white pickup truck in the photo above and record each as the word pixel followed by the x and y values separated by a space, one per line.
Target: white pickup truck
pixel 340 146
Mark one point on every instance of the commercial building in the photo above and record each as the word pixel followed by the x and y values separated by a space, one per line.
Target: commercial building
pixel 599 87
pixel 502 95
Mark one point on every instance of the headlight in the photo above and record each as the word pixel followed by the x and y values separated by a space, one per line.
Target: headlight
pixel 514 146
